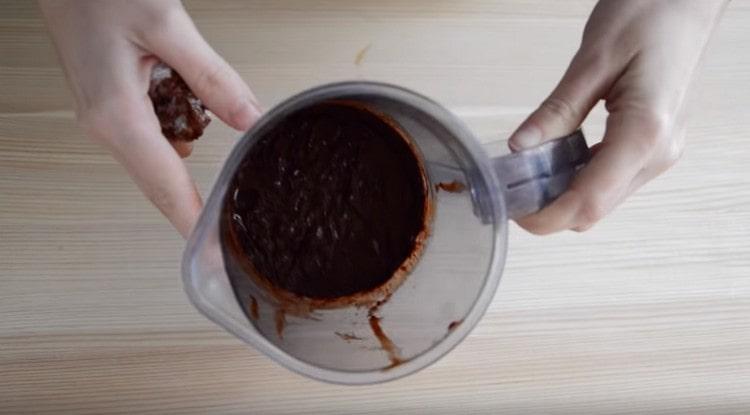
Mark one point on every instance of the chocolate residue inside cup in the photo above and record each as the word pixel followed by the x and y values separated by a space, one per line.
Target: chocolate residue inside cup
pixel 454 324
pixel 253 308
pixel 280 322
pixel 451 187
pixel 347 337
pixel 385 342
pixel 329 208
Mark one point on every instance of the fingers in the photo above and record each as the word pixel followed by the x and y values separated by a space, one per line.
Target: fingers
pixel 221 89
pixel 621 163
pixel 130 130
pixel 666 157
pixel 183 148
pixel 629 143
pixel 564 110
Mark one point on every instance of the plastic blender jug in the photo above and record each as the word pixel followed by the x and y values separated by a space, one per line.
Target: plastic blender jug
pixel 447 291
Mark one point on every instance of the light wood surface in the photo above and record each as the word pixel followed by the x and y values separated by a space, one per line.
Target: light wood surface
pixel 649 312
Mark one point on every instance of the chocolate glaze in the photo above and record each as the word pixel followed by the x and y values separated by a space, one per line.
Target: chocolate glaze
pixel 329 203
pixel 280 322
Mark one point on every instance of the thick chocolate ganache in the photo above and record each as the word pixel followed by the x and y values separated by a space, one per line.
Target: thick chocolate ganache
pixel 328 203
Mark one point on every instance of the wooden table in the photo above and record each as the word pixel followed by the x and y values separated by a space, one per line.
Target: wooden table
pixel 649 312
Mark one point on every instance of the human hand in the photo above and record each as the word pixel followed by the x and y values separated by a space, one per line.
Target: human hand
pixel 108 50
pixel 639 56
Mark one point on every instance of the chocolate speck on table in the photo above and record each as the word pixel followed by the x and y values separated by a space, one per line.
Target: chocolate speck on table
pixel 361 54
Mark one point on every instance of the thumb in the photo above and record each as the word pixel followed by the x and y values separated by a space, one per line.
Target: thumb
pixel 564 110
pixel 210 77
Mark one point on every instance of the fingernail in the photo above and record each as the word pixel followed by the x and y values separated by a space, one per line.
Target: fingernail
pixel 525 138
pixel 255 110
pixel 245 115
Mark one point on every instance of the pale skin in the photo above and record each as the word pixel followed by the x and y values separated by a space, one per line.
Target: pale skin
pixel 639 56
pixel 108 49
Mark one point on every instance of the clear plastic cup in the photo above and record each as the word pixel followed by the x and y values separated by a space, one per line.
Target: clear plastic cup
pixel 448 290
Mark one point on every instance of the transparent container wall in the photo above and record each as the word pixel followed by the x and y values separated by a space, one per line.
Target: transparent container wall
pixel 441 290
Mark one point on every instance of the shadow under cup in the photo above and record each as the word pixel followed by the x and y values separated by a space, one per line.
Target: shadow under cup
pixel 428 313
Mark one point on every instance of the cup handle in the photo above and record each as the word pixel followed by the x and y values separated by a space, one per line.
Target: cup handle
pixel 533 178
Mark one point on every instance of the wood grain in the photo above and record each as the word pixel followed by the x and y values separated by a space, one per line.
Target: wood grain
pixel 649 312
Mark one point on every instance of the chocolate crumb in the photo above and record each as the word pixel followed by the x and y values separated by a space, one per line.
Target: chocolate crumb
pixel 181 114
